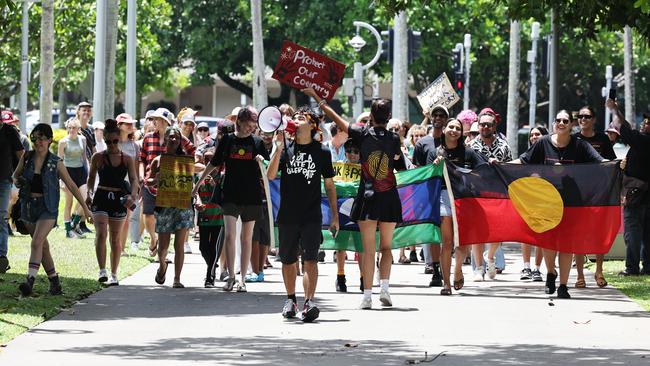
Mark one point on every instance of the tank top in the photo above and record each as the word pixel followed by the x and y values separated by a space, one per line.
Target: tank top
pixel 73 153
pixel 112 176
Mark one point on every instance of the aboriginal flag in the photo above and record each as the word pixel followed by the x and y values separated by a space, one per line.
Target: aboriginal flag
pixel 569 208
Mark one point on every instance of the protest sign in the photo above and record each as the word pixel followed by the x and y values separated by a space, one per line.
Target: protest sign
pixel 301 68
pixel 175 181
pixel 439 92
pixel 346 172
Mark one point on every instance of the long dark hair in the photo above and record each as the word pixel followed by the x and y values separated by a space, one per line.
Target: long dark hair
pixel 461 139
pixel 542 130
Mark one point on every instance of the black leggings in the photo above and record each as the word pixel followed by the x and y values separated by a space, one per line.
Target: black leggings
pixel 208 238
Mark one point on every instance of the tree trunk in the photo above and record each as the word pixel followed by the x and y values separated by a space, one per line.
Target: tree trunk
pixel 47 61
pixel 63 102
pixel 112 13
pixel 259 79
pixel 513 88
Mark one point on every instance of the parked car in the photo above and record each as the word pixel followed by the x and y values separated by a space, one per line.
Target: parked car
pixel 34 117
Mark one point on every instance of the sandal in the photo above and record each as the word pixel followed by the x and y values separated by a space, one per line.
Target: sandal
pixel 580 283
pixel 404 260
pixel 178 285
pixel 445 291
pixel 160 277
pixel 459 284
pixel 600 280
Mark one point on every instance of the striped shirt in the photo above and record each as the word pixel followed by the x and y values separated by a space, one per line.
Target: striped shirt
pixel 212 215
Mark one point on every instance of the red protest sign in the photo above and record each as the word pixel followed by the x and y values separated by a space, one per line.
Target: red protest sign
pixel 301 68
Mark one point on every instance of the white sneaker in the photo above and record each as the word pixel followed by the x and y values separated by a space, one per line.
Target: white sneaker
pixel 366 303
pixel 188 248
pixel 241 287
pixel 491 270
pixel 103 276
pixel 384 298
pixel 135 246
pixel 112 281
pixel 478 274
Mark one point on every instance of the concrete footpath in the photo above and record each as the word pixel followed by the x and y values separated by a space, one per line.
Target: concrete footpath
pixel 506 321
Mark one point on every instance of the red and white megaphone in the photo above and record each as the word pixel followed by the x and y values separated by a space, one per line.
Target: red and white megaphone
pixel 271 119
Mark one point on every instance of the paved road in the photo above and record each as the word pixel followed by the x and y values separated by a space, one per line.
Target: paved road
pixel 502 322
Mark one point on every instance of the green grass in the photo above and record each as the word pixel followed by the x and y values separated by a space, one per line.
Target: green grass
pixel 635 287
pixel 76 264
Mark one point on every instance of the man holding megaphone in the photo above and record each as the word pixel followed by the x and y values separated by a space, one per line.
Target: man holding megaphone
pixel 302 163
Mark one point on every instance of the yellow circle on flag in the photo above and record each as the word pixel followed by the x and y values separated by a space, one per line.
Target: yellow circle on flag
pixel 537 202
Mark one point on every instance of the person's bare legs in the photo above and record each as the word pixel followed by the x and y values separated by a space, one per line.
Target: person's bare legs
pixel 179 254
pixel 255 257
pixel 124 230
pixel 310 278
pixel 565 267
pixel 230 231
pixel 39 231
pixel 340 262
pixel 115 227
pixel 580 267
pixel 367 228
pixel 446 229
pixel 150 225
pixel 386 230
pixel 67 206
pixel 289 275
pixel 525 253
pixel 459 258
pixel 246 240
pixel 477 253
pixel 101 234
pixel 163 247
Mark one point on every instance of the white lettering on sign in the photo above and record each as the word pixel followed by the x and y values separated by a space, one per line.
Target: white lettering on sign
pixel 308 84
pixel 305 71
pixel 306 60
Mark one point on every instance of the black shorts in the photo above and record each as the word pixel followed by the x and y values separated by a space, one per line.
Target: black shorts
pixel 296 238
pixel 383 206
pixel 246 212
pixel 261 230
pixel 108 203
pixel 148 202
pixel 79 175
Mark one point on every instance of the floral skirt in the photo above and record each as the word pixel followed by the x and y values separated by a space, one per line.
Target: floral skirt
pixel 170 219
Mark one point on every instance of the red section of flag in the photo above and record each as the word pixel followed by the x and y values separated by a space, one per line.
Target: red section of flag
pixel 583 230
pixel 301 68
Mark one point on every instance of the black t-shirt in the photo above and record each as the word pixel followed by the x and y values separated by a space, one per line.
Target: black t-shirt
pixel 462 156
pixel 600 142
pixel 378 148
pixel 422 148
pixel 89 134
pixel 638 157
pixel 545 152
pixel 241 184
pixel 9 144
pixel 300 182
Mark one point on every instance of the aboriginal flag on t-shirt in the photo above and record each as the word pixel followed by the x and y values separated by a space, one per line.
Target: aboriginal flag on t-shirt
pixel 570 208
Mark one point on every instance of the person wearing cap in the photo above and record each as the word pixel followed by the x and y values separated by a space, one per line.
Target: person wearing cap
pixel 98 127
pixel 187 123
pixel 437 116
pixel 613 135
pixel 472 134
pixel 232 117
pixel 127 145
pixel 202 134
pixel 84 114
pixel 11 150
pixel 495 149
pixel 302 165
pixel 636 212
pixel 600 142
pixel 153 145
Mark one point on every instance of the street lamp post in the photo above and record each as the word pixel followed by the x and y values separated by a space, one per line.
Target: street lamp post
pixel 130 102
pixel 24 66
pixel 532 59
pixel 468 44
pixel 608 86
pixel 358 43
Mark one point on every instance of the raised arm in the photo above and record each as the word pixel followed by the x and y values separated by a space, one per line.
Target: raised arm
pixel 329 112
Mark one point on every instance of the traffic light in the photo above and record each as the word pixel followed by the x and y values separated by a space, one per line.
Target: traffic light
pixel 459 83
pixel 457 60
pixel 387 45
pixel 414 44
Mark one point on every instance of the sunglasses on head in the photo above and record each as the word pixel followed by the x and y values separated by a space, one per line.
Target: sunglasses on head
pixel 584 116
pixel 112 142
pixel 562 120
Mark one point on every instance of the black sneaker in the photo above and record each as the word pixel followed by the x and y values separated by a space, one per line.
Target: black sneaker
pixel 413 256
pixel 627 273
pixel 526 274
pixel 27 286
pixel 321 256
pixel 55 286
pixel 563 292
pixel 428 269
pixel 4 264
pixel 340 284
pixel 84 228
pixel 209 282
pixel 537 276
pixel 309 312
pixel 436 279
pixel 550 283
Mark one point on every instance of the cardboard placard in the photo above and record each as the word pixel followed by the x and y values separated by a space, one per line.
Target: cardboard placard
pixel 301 68
pixel 347 172
pixel 439 92
pixel 175 181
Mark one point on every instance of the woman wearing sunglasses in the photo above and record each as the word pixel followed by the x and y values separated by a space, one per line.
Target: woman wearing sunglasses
pixel 37 176
pixel 559 148
pixel 109 202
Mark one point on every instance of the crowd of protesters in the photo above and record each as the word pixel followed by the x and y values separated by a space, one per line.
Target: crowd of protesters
pixel 109 174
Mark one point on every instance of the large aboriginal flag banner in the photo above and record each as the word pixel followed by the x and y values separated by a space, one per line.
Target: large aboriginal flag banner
pixel 570 208
pixel 419 191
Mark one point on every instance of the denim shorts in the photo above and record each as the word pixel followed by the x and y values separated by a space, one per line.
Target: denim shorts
pixel 34 209
pixel 445 205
